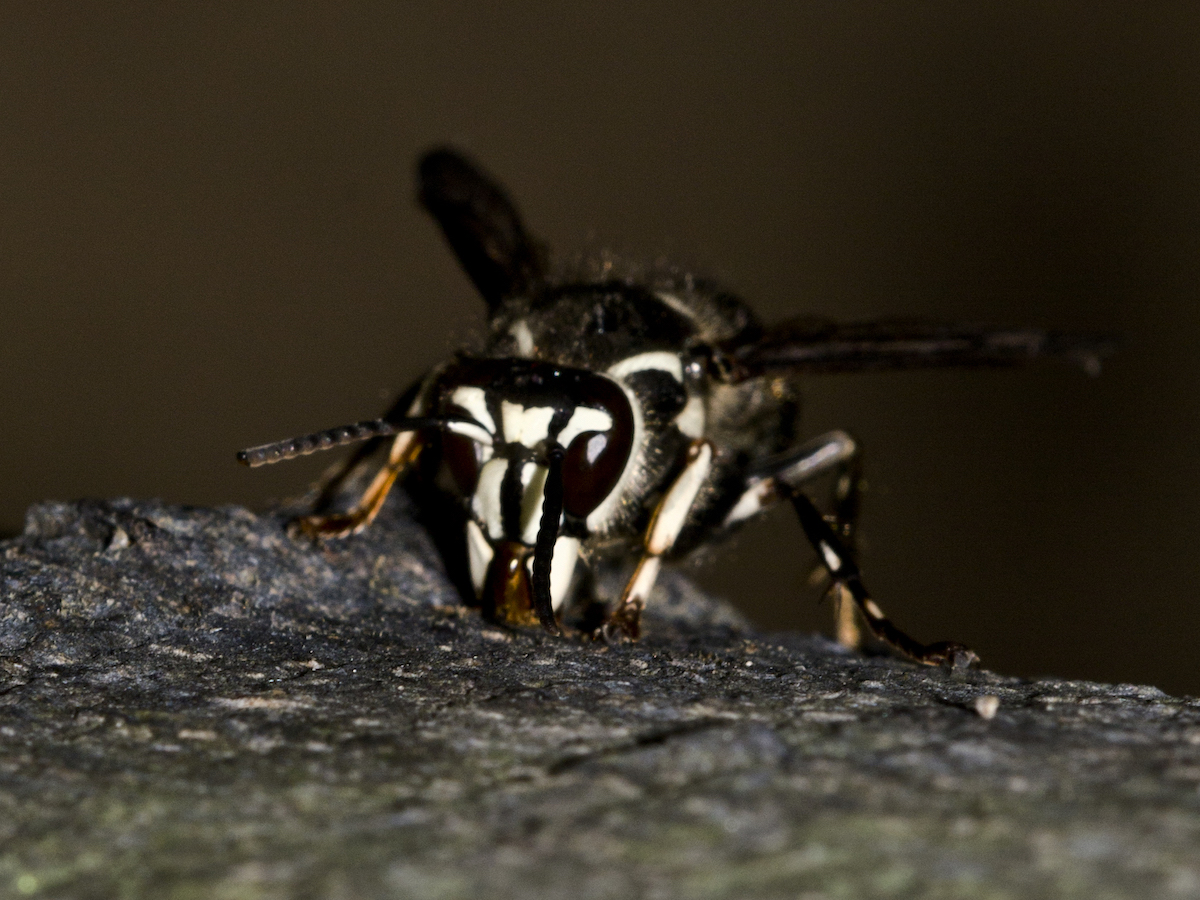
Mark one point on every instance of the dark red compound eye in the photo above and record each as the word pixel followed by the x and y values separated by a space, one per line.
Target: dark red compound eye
pixel 591 468
pixel 461 455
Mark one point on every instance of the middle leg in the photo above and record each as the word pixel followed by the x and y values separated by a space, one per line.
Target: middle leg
pixel 782 478
pixel 835 453
pixel 844 571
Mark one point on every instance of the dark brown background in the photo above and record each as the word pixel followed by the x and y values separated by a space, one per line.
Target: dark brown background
pixel 208 239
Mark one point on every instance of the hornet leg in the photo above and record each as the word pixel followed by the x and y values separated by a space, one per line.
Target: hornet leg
pixel 834 452
pixel 405 448
pixel 406 405
pixel 782 478
pixel 845 572
pixel 665 525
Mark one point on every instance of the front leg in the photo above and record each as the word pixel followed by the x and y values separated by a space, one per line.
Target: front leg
pixel 403 453
pixel 406 446
pixel 665 525
pixel 408 404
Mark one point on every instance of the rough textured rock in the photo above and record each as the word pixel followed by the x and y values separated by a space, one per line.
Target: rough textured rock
pixel 194 705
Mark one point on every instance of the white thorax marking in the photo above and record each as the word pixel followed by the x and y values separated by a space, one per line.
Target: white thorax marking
pixel 676 304
pixel 690 420
pixel 663 360
pixel 520 333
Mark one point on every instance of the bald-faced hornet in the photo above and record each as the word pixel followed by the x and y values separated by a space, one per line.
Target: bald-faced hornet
pixel 627 416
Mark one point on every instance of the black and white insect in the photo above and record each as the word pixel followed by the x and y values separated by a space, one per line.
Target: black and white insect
pixel 637 418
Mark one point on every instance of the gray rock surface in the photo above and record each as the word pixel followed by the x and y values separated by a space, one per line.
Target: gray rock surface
pixel 194 705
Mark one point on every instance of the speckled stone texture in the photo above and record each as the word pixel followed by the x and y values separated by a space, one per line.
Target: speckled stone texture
pixel 194 705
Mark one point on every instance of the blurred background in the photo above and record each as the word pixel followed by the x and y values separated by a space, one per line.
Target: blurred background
pixel 209 239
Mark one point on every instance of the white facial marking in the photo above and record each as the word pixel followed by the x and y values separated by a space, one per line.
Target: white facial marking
pixel 562 568
pixel 477 433
pixel 566 555
pixel 874 609
pixel 690 420
pixel 584 419
pixel 654 359
pixel 523 336
pixel 675 506
pixel 832 561
pixel 479 553
pixel 533 498
pixel 486 502
pixel 525 424
pixel 474 400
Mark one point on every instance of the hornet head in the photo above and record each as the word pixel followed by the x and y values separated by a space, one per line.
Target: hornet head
pixel 538 451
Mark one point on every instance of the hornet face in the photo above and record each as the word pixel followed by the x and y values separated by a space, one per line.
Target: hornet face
pixel 526 437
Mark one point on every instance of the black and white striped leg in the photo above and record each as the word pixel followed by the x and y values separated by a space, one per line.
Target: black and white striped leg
pixel 834 452
pixel 847 504
pixel 844 571
pixel 669 518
